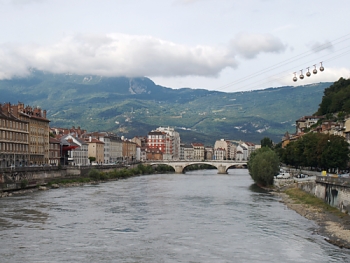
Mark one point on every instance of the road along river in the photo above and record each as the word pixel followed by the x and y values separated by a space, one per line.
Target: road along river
pixel 199 216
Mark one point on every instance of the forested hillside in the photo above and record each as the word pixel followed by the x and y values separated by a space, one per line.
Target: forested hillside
pixel 134 106
pixel 336 98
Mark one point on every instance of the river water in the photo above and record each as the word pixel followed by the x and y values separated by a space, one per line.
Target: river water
pixel 199 216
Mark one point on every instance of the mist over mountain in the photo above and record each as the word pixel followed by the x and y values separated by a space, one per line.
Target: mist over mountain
pixel 134 106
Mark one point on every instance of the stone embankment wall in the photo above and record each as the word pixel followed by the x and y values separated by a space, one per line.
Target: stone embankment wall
pixel 13 179
pixel 334 191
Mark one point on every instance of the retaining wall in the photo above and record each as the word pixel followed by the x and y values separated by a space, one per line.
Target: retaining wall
pixel 13 179
pixel 334 191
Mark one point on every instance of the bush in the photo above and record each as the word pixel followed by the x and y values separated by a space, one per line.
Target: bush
pixel 24 183
pixel 94 175
pixel 263 165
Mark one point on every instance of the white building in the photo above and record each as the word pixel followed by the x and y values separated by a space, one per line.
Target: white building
pixel 167 140
pixel 78 155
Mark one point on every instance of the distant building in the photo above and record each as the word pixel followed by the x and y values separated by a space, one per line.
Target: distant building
pixel 219 154
pixel 77 150
pixel 198 151
pixel 54 151
pixel 153 154
pixel 95 149
pixel 167 140
pixel 188 152
pixel 208 153
pixel 228 146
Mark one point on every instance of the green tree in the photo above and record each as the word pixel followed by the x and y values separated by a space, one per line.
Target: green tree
pixel 92 159
pixel 335 154
pixel 317 150
pixel 266 142
pixel 263 165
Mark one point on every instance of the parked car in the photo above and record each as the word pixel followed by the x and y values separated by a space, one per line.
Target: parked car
pixel 283 176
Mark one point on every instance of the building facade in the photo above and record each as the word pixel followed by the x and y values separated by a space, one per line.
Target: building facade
pixel 14 140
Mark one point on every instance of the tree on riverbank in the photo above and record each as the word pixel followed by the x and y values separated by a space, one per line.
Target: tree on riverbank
pixel 317 150
pixel 263 165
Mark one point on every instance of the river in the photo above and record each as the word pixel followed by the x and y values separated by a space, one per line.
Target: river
pixel 199 216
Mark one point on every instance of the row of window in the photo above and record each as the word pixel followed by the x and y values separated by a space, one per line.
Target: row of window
pixel 39 149
pixel 13 147
pixel 14 125
pixel 15 136
pixel 39 139
pixel 35 130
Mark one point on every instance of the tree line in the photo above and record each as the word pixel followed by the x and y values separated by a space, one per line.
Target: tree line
pixel 311 151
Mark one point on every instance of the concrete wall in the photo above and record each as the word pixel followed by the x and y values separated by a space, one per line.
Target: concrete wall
pixel 11 179
pixel 334 191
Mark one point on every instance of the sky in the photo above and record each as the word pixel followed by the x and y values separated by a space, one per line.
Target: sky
pixel 223 45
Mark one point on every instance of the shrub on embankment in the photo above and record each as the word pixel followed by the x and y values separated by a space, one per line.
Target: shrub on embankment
pixel 263 165
pixel 95 175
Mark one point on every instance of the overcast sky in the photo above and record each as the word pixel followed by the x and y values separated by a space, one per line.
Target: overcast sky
pixel 226 45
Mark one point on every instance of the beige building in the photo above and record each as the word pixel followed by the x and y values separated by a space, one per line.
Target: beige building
pixel 96 149
pixel 198 151
pixel 228 146
pixel 38 130
pixel 14 140
pixel 129 151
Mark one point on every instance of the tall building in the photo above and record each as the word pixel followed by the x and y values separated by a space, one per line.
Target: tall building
pixel 167 140
pixel 38 130
pixel 14 140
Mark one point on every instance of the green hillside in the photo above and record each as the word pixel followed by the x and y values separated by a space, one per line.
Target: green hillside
pixel 134 106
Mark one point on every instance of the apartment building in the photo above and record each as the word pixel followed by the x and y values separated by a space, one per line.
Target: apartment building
pixel 95 149
pixel 198 151
pixel 14 140
pixel 129 151
pixel 77 150
pixel 113 146
pixel 54 151
pixel 38 128
pixel 228 146
pixel 219 154
pixel 173 139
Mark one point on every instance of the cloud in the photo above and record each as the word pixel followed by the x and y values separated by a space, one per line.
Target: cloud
pixel 251 45
pixel 187 1
pixel 115 55
pixel 318 47
pixel 22 2
pixel 131 56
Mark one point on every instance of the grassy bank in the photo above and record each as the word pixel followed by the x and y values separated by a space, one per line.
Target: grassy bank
pixel 301 197
pixel 96 175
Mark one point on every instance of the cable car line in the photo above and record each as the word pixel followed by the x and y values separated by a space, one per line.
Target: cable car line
pixel 293 59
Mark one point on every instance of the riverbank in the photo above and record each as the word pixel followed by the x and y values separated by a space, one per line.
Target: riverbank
pixel 334 226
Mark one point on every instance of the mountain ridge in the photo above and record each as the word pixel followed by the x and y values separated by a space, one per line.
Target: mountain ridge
pixel 134 106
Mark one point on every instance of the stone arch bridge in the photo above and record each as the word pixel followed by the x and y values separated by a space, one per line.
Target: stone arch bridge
pixel 221 165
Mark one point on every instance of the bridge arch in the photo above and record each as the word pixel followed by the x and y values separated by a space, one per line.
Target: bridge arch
pixel 221 166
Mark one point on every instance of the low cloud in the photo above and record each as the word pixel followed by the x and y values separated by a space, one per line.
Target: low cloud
pixel 115 55
pixel 250 46
pixel 130 56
